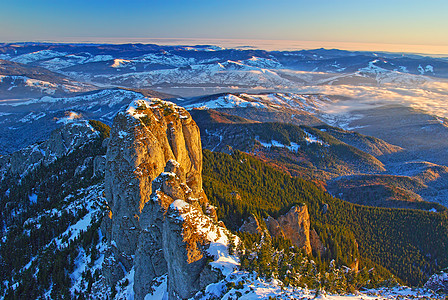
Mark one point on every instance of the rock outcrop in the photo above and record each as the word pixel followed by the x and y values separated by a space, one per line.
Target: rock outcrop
pixel 251 226
pixel 62 141
pixel 294 225
pixel 99 165
pixel 142 141
pixel 188 271
pixel 153 175
pixel 274 227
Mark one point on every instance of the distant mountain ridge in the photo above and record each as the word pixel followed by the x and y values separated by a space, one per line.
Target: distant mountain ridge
pixel 151 66
pixel 24 81
pixel 321 60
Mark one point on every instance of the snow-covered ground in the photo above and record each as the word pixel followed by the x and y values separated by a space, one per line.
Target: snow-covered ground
pixel 243 285
pixel 37 55
pixel 312 139
pixel 226 101
pixel 88 200
pixel 45 87
pixel 294 147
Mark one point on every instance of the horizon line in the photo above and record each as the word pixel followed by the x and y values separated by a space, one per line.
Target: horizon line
pixel 259 44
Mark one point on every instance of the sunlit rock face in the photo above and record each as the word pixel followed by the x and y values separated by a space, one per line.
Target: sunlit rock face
pixel 154 190
pixel 143 140
pixel 294 225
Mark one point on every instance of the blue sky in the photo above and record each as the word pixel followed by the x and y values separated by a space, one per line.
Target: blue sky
pixel 378 22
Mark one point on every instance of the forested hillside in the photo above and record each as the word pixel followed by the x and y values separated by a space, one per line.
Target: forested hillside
pixel 52 216
pixel 410 243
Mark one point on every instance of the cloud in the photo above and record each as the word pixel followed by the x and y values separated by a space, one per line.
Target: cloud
pixel 429 96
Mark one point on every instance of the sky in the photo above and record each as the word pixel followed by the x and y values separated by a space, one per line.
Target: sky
pixel 388 25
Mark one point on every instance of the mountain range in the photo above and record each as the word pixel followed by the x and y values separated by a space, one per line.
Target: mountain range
pixel 153 66
pixel 202 172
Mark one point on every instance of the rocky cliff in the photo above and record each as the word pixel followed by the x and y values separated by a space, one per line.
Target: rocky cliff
pixel 62 141
pixel 159 221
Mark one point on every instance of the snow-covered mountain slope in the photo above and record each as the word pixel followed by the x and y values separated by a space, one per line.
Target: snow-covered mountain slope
pixel 438 282
pixel 52 202
pixel 214 74
pixel 37 56
pixel 22 81
pixel 320 60
pixel 392 123
pixel 367 79
pixel 62 141
pixel 251 73
pixel 299 109
pixel 376 72
pixel 44 87
pixel 78 240
pixel 278 101
pixel 171 66
pixel 39 116
pixel 243 285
